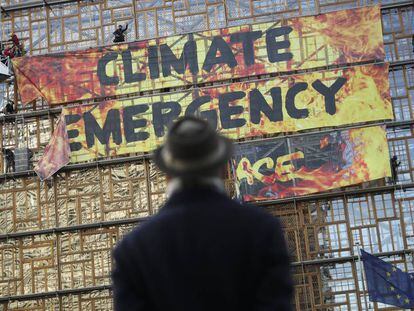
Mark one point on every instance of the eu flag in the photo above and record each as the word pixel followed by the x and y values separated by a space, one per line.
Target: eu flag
pixel 388 284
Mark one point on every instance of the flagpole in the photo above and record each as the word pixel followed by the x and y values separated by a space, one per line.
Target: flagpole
pixel 362 274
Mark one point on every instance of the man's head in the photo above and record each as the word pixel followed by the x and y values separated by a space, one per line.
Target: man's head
pixel 120 27
pixel 193 150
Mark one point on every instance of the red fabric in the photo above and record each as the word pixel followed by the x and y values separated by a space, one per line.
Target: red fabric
pixel 56 154
pixel 8 52
pixel 15 40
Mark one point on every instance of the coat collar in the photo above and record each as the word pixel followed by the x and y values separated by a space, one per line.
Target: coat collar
pixel 194 195
pixel 177 185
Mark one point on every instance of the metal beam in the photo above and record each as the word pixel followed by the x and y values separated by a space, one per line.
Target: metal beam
pixel 30 114
pixel 35 4
pixel 268 204
pixel 54 230
pixel 343 259
pixel 79 166
pixel 40 3
pixel 58 293
pixel 3 11
pixel 335 194
pixel 399 63
pixel 395 5
pixel 76 291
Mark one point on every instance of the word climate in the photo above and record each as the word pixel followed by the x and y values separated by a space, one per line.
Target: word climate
pixel 162 59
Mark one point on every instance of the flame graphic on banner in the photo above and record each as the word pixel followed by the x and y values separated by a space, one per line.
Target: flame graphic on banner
pixel 66 76
pixel 51 70
pixel 350 31
pixel 367 159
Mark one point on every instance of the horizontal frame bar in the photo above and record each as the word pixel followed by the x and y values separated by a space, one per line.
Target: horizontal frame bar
pixel 50 3
pixel 83 290
pixel 127 221
pixel 336 194
pixel 396 5
pixel 58 230
pixel 322 261
pixel 34 4
pixel 58 293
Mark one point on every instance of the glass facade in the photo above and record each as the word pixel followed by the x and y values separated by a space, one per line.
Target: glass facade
pixel 56 238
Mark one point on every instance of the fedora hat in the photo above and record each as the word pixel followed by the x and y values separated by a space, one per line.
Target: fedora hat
pixel 192 148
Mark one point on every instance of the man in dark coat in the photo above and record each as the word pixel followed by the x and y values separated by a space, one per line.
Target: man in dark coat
pixel 202 251
pixel 395 164
pixel 10 163
pixel 119 34
pixel 9 108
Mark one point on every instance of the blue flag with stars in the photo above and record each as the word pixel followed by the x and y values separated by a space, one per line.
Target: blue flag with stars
pixel 388 284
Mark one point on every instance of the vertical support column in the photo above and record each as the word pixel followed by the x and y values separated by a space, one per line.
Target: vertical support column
pixel 19 244
pixel 174 17
pixel 16 127
pixel 38 139
pixel 13 192
pixel 2 171
pixel 363 277
pixel 59 268
pixel 317 7
pixel 226 19
pixel 134 12
pixel 102 42
pixel 101 191
pixel 400 206
pixel 57 236
pixel 355 277
pixel 15 96
pixel 148 186
pixel 300 255
pixel 351 245
pixel 54 178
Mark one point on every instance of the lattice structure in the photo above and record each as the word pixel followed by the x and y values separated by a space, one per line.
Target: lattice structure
pixel 56 238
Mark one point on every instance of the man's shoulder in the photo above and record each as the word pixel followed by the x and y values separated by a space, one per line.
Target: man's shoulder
pixel 258 216
pixel 224 209
pixel 250 211
pixel 216 203
pixel 146 225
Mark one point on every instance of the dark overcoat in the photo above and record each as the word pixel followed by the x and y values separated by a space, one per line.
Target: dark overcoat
pixel 203 251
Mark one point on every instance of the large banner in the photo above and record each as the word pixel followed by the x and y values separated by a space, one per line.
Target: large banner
pixel 238 110
pixel 336 38
pixel 313 163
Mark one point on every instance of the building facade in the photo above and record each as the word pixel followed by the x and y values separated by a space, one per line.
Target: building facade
pixel 56 237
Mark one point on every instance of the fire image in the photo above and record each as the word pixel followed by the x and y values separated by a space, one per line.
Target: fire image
pixel 311 163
